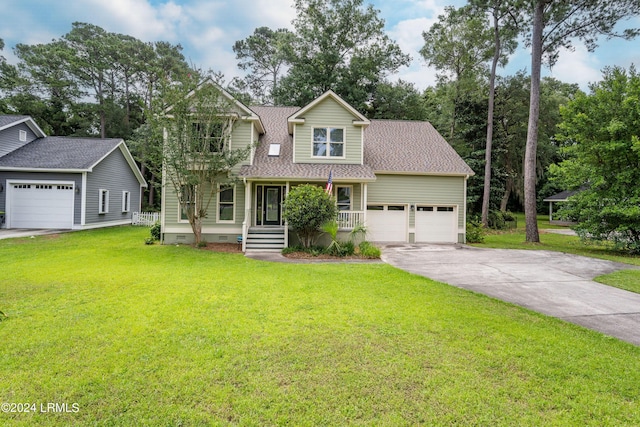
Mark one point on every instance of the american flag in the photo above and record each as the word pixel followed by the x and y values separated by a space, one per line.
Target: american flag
pixel 329 187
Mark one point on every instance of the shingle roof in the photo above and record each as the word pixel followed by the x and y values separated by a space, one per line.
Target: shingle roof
pixel 282 166
pixel 7 119
pixel 563 196
pixel 55 152
pixel 410 146
pixel 393 146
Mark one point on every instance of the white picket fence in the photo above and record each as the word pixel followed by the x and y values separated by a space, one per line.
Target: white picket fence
pixel 146 219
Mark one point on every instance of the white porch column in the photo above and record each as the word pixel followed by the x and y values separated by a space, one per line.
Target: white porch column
pixel 364 202
pixel 286 225
pixel 247 214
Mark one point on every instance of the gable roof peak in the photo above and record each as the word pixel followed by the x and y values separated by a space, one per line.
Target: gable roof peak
pixel 10 120
pixel 298 116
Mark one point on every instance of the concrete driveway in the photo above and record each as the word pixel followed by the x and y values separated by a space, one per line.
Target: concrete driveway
pixel 27 232
pixel 553 283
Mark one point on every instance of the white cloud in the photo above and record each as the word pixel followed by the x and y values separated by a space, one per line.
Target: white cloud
pixel 578 66
pixel 133 17
pixel 408 35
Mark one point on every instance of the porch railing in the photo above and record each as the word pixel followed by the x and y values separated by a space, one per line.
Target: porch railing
pixel 349 219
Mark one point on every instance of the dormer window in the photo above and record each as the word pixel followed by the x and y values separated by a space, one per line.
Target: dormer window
pixel 328 142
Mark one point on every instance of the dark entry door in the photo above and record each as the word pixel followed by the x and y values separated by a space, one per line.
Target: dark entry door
pixel 272 200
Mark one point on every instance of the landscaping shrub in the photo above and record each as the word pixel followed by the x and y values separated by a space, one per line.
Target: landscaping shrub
pixel 348 249
pixel 475 232
pixel 155 231
pixel 368 250
pixel 306 208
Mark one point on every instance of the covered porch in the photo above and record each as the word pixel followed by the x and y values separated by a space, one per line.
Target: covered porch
pixel 264 208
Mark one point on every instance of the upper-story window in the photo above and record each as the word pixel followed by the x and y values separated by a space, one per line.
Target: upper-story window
pixel 23 136
pixel 328 142
pixel 210 135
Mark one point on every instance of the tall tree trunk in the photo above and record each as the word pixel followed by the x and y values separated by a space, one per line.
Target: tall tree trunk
pixel 505 197
pixel 486 196
pixel 530 202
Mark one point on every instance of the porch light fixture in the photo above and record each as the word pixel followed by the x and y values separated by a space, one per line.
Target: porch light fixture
pixel 77 189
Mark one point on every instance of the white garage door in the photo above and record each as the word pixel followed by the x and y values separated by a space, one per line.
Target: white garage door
pixel 40 205
pixel 387 223
pixel 436 224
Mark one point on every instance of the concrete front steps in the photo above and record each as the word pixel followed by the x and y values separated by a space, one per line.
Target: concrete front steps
pixel 265 239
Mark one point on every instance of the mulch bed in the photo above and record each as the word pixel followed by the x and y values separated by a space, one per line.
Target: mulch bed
pixel 305 255
pixel 236 248
pixel 223 247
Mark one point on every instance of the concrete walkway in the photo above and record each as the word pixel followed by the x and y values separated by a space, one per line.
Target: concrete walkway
pixel 27 232
pixel 553 283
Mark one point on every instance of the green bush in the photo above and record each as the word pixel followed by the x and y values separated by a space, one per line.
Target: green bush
pixel 155 231
pixel 368 250
pixel 348 249
pixel 306 208
pixel 475 232
pixel 496 220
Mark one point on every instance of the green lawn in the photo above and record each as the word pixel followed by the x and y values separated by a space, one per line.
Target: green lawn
pixel 515 239
pixel 171 335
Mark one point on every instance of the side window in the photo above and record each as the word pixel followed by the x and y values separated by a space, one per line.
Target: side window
pixel 226 204
pixel 126 201
pixel 187 194
pixel 103 201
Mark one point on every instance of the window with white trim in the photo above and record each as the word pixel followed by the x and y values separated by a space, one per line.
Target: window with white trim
pixel 343 197
pixel 186 202
pixel 126 201
pixel 103 201
pixel 23 136
pixel 328 142
pixel 211 136
pixel 226 203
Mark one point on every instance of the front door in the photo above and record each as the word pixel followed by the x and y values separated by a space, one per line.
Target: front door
pixel 272 200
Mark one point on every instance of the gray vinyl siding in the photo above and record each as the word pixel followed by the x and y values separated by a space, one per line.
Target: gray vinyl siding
pixel 114 174
pixel 328 113
pixel 415 189
pixel 43 176
pixel 10 138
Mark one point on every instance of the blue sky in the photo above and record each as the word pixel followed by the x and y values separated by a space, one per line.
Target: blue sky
pixel 208 28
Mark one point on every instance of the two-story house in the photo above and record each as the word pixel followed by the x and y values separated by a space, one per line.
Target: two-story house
pixel 400 179
pixel 56 182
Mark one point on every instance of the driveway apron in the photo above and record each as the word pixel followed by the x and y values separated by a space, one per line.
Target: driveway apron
pixel 553 283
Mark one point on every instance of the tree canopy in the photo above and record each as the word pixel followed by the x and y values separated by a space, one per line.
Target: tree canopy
pixel 601 144
pixel 339 45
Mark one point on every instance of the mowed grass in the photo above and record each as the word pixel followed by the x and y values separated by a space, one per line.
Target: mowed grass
pixel 166 335
pixel 515 239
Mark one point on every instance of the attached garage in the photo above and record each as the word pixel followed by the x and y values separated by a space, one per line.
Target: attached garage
pixel 40 205
pixel 387 223
pixel 436 224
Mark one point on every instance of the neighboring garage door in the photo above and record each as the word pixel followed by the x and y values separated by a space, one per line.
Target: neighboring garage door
pixel 40 205
pixel 436 224
pixel 387 223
